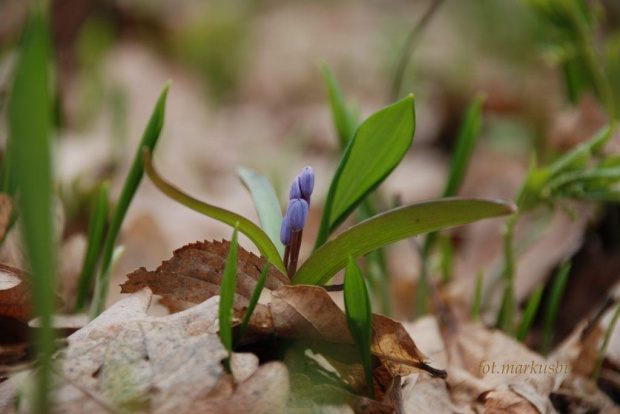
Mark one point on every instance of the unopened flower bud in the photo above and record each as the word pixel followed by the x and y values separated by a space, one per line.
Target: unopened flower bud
pixel 285 232
pixel 306 183
pixel 296 214
pixel 295 191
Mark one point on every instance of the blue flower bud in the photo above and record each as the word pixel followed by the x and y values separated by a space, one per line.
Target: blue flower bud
pixel 295 190
pixel 306 183
pixel 296 214
pixel 285 232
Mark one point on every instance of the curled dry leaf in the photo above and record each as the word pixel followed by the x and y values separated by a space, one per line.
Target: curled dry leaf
pixel 15 300
pixel 194 274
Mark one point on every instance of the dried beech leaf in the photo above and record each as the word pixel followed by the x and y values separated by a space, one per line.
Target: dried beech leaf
pixel 132 360
pixel 194 274
pixel 308 312
pixel 265 392
pixel 505 401
pixel 394 347
pixel 15 300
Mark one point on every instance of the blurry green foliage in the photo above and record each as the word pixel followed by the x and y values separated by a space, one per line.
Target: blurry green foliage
pixel 215 42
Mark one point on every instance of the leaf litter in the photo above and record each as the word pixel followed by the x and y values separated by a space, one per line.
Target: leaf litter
pixel 128 361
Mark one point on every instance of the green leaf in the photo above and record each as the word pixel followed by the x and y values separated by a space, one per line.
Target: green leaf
pixel 531 309
pixel 96 232
pixel 468 135
pixel 392 226
pixel 600 357
pixel 227 294
pixel 251 230
pixel 553 306
pixel 475 306
pixel 359 316
pixel 132 181
pixel 253 301
pixel 378 146
pixel 30 132
pixel 579 156
pixel 266 203
pixel 344 119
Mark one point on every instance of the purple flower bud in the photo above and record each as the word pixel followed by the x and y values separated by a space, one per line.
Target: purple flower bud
pixel 306 183
pixel 296 214
pixel 285 232
pixel 295 190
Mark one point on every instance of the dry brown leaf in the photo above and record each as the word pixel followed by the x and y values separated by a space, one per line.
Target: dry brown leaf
pixel 394 347
pixel 15 301
pixel 194 274
pixel 505 402
pixel 308 312
pixel 265 392
pixel 133 360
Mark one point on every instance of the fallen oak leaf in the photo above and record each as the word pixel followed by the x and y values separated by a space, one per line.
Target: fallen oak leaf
pixel 194 274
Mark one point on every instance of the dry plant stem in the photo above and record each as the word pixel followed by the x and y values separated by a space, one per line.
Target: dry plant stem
pixel 295 245
pixel 287 255
pixel 333 288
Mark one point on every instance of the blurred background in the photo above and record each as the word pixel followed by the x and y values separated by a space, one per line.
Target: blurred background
pixel 248 91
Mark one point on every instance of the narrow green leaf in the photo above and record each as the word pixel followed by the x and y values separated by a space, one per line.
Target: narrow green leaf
pixel 227 294
pixel 132 181
pixel 553 306
pixel 30 131
pixel 475 306
pixel 603 349
pixel 96 231
pixel 459 163
pixel 253 301
pixel 359 316
pixel 531 309
pixel 251 230
pixel 505 315
pixel 378 146
pixel 466 141
pixel 447 252
pixel 344 119
pixel 609 173
pixel 394 225
pixel 266 203
pixel 579 156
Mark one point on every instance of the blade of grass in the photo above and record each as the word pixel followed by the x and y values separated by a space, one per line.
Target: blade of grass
pixel 579 156
pixel 378 146
pixel 344 119
pixel 251 230
pixel 391 226
pixel 253 301
pixel 459 163
pixel 132 181
pixel 603 349
pixel 407 50
pixel 553 306
pixel 531 309
pixel 29 116
pixel 359 316
pixel 266 203
pixel 475 306
pixel 227 295
pixel 96 231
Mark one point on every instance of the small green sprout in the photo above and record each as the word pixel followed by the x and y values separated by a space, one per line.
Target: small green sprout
pixel 359 316
pixel 227 295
